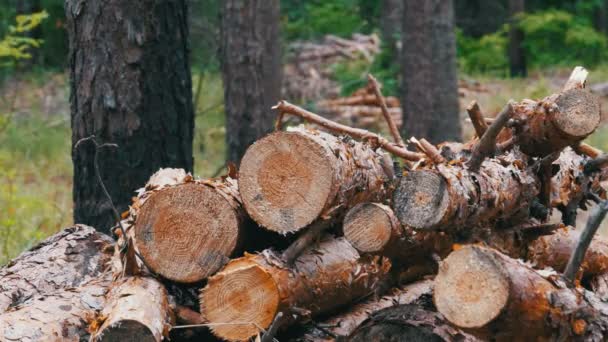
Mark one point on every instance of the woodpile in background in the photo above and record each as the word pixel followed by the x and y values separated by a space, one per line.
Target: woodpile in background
pixel 332 231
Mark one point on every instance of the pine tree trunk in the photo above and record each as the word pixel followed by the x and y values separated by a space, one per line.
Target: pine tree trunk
pixel 251 70
pixel 429 88
pixel 70 258
pixel 390 24
pixel 130 85
pixel 517 54
pixel 256 288
pixel 289 179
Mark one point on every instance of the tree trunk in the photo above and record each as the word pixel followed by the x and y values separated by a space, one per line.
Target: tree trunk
pixel 67 259
pixel 451 197
pixel 409 322
pixel 478 287
pixel 130 85
pixel 251 70
pixel 63 315
pixel 256 288
pixel 429 78
pixel 390 24
pixel 517 54
pixel 289 179
pixel 137 309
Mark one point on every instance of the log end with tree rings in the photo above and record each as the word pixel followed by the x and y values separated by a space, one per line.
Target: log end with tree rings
pixel 243 294
pixel 369 227
pixel 187 232
pixel 421 199
pixel 286 179
pixel 470 289
pixel 578 113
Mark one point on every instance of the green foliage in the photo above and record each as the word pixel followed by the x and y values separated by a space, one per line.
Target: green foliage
pixel 15 45
pixel 487 54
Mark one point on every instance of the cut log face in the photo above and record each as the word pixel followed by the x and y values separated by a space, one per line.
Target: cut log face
pixel 187 232
pixel 137 309
pixel 470 290
pixel 289 179
pixel 250 291
pixel 67 259
pixel 369 227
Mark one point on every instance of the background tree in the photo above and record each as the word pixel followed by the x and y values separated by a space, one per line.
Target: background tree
pixel 390 23
pixel 130 85
pixel 517 56
pixel 250 59
pixel 429 76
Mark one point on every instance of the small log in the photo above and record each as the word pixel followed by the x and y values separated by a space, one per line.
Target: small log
pixel 137 309
pixel 63 315
pixel 289 179
pixel 70 258
pixel 409 322
pixel 196 224
pixel 451 197
pixel 478 287
pixel 248 293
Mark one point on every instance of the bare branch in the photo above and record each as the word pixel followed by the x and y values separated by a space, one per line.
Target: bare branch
pixel 588 150
pixel 477 118
pixel 400 151
pixel 274 327
pixel 487 143
pixel 306 239
pixel 577 78
pixel 389 120
pixel 429 149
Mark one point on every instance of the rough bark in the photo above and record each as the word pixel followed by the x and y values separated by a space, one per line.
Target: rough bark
pixel 517 54
pixel 186 232
pixel 63 315
pixel 343 323
pixel 409 322
pixel 289 179
pixel 252 290
pixel 390 23
pixel 137 309
pixel 451 197
pixel 130 85
pixel 251 68
pixel 478 287
pixel 67 259
pixel 429 78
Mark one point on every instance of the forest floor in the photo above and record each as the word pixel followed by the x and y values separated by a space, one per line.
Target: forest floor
pixel 35 156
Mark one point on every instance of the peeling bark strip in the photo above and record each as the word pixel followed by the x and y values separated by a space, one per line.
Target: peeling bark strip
pixel 478 287
pixel 250 291
pixel 409 322
pixel 289 179
pixel 130 85
pixel 452 197
pixel 196 225
pixel 557 121
pixel 373 228
pixel 346 321
pixel 63 315
pixel 67 259
pixel 137 309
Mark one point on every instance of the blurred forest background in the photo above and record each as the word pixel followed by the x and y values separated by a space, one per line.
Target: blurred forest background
pixel 35 146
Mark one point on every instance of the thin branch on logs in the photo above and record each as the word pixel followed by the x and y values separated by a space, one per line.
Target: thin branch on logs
pixel 429 149
pixel 577 78
pixel 313 232
pixel 487 143
pixel 588 150
pixel 477 118
pixel 130 263
pixel 186 315
pixel 576 259
pixel 596 164
pixel 400 151
pixel 274 327
pixel 505 145
pixel 382 103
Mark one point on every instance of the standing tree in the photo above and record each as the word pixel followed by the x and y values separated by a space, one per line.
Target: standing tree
pixel 429 73
pixel 130 85
pixel 391 12
pixel 251 68
pixel 517 56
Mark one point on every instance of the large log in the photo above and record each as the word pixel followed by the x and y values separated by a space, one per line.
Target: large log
pixel 63 315
pixel 452 197
pixel 137 309
pixel 480 288
pixel 249 292
pixel 289 179
pixel 72 257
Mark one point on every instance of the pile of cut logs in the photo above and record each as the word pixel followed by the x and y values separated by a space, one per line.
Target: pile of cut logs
pixel 322 235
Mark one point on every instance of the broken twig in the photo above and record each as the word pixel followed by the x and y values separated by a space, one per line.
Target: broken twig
pixel 487 143
pixel 477 118
pixel 382 103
